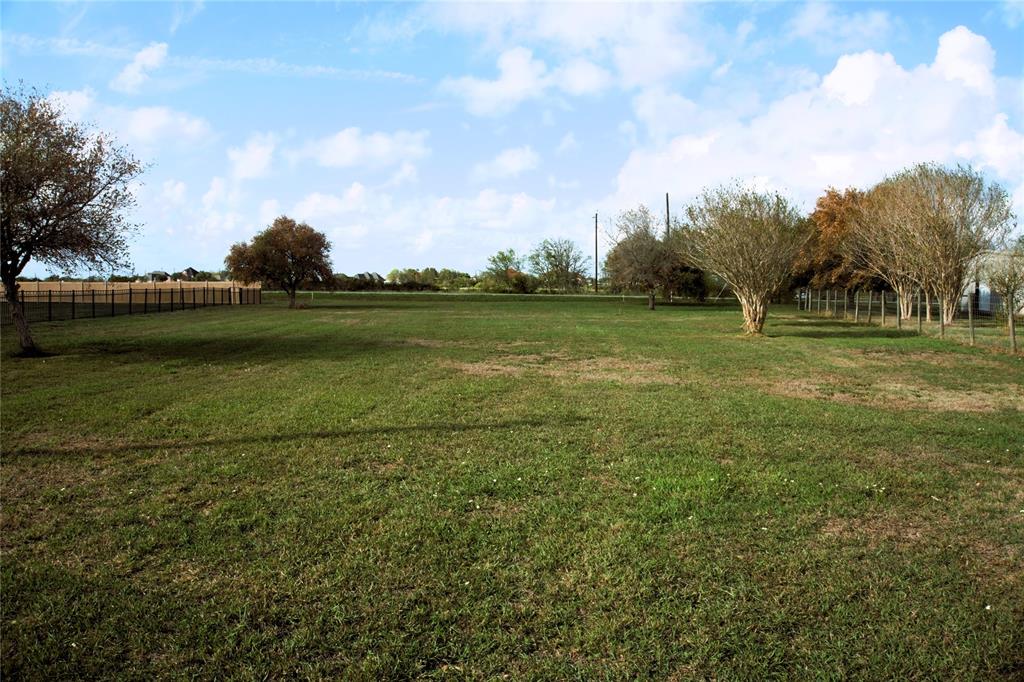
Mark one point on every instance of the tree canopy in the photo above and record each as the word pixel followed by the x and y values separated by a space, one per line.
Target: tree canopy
pixel 286 255
pixel 64 194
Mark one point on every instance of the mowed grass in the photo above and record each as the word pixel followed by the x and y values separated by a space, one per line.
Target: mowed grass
pixel 400 486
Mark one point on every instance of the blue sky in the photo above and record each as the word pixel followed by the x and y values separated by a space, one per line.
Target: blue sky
pixel 434 135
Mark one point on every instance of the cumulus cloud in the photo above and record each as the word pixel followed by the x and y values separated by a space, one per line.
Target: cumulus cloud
pixel 131 78
pixel 867 117
pixel 830 29
pixel 143 128
pixel 520 77
pixel 352 147
pixel 252 160
pixel 510 163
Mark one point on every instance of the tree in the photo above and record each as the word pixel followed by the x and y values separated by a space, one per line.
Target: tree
pixel 64 191
pixel 1004 273
pixel 639 259
pixel 953 217
pixel 827 260
pixel 286 255
pixel 880 239
pixel 559 265
pixel 748 238
pixel 505 273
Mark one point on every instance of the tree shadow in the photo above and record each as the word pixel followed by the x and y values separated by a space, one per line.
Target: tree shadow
pixel 114 448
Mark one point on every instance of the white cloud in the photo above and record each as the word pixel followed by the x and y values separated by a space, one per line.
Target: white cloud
pixel 581 77
pixel 968 58
pixel 855 77
pixel 254 159
pixel 268 211
pixel 406 173
pixel 866 118
pixel 831 30
pixel 142 127
pixel 352 147
pixel 510 163
pixel 75 104
pixel 151 125
pixel 520 77
pixel 137 71
pixel 664 113
pixel 184 12
pixel 173 192
pixel 567 143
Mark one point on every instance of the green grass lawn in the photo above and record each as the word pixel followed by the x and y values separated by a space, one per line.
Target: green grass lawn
pixel 395 486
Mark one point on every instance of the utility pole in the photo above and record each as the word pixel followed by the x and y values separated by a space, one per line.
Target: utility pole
pixel 595 253
pixel 668 224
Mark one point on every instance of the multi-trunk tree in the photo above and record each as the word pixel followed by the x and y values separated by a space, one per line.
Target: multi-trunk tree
pixel 749 239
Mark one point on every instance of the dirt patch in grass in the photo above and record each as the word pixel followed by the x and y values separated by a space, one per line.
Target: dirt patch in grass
pixel 897 395
pixel 561 366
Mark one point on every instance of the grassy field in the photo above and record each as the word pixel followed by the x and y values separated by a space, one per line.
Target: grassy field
pixel 397 486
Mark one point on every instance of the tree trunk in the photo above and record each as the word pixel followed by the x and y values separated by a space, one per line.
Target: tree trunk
pixel 927 305
pixel 291 298
pixel 28 344
pixel 755 309
pixel 650 299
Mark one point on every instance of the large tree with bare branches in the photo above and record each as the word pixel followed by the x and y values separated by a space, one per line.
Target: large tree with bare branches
pixel 64 191
pixel 748 238
pixel 953 216
pixel 640 259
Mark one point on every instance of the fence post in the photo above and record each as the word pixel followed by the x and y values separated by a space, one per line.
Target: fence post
pixel 970 315
pixel 72 304
pixel 49 305
pixel 1011 308
pixel 145 300
pixel 846 302
pixel 193 298
pixel 93 292
pixel 129 298
pixel 159 299
pixel 881 298
pixel 856 306
pixel 871 302
pixel 113 299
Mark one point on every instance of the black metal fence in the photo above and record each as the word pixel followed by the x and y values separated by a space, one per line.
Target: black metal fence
pixel 48 306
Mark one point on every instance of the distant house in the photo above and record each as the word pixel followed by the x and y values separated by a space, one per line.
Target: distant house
pixel 189 274
pixel 158 276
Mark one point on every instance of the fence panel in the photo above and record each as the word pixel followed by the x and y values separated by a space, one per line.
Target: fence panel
pixel 53 305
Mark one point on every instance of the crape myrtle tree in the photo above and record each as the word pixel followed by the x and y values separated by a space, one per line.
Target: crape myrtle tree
pixel 747 238
pixel 559 265
pixel 1004 273
pixel 881 237
pixel 639 259
pixel 286 255
pixel 953 216
pixel 64 192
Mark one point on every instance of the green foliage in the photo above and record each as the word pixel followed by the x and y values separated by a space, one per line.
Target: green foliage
pixel 559 265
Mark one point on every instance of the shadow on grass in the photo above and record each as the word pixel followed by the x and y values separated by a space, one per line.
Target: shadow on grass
pixel 113 448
